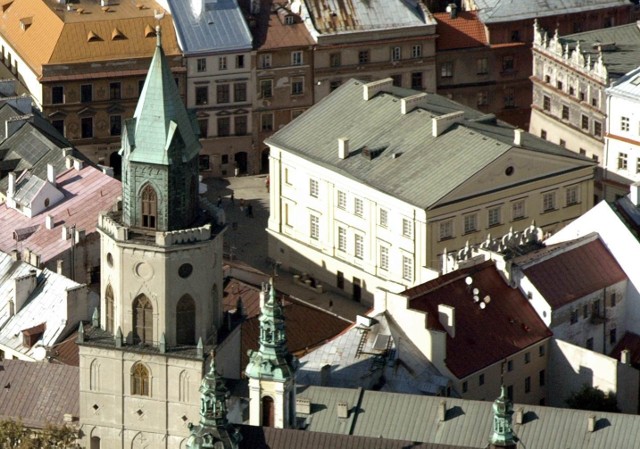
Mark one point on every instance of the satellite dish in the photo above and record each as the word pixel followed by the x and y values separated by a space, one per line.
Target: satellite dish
pixel 476 298
pixel 468 280
pixel 476 291
pixel 482 305
pixel 39 353
pixel 487 299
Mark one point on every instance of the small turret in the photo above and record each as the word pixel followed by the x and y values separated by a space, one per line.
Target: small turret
pixel 502 435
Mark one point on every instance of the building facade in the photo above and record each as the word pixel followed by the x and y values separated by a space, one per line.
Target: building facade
pixel 371 187
pixel 84 64
pixel 161 283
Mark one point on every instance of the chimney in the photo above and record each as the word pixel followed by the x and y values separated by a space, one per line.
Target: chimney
pixel 12 308
pixel 303 406
pixel 442 411
pixel 452 9
pixel 65 232
pixel 517 137
pixel 77 164
pixel 343 147
pixel 409 103
pixel 369 90
pixel 59 266
pixel 23 286
pixel 51 174
pixel 342 408
pixel 625 357
pixel 447 317
pixel 48 222
pixel 325 375
pixel 15 255
pixel 442 123
pixel 520 415
pixel 11 189
pixel 634 196
pixel 591 423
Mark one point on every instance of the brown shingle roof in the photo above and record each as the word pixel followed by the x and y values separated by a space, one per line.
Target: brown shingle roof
pixel 279 35
pixel 465 31
pixel 38 393
pixel 507 325
pixel 575 273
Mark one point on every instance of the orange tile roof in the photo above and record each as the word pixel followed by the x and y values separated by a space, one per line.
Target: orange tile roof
pixel 58 36
pixel 507 325
pixel 465 31
pixel 280 35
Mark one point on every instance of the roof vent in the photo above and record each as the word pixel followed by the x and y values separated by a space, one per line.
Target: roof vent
pixel 91 37
pixel 25 23
pixel 80 10
pixel 369 90
pixel 149 31
pixel 116 34
pixel 605 46
pixel 342 408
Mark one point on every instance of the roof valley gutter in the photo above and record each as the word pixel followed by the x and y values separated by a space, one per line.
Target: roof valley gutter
pixel 356 411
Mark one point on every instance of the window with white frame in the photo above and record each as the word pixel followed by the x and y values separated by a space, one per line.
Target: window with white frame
pixel 406 228
pixel 384 218
pixel 342 200
pixel 314 227
pixel 396 53
pixel 622 161
pixel 384 258
pixel 358 207
pixel 517 210
pixel 572 195
pixel 342 239
pixel 446 229
pixel 296 58
pixel 407 268
pixel 494 216
pixel 358 246
pixel 470 223
pixel 222 63
pixel 624 123
pixel 548 201
pixel 313 188
pixel 265 61
pixel 201 65
pixel 416 51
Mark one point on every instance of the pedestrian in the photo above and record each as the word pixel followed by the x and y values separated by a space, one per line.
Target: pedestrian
pixel 266 183
pixel 219 201
pixel 232 199
pixel 331 305
pixel 241 204
pixel 249 210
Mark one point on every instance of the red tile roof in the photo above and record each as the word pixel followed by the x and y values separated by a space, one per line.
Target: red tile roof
pixel 630 342
pixel 507 325
pixel 38 393
pixel 574 273
pixel 273 34
pixel 465 31
pixel 87 192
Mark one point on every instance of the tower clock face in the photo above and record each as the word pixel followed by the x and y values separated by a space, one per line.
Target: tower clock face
pixel 185 270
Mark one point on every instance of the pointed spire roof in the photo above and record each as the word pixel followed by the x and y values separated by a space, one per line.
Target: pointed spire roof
pixel 272 360
pixel 502 433
pixel 161 125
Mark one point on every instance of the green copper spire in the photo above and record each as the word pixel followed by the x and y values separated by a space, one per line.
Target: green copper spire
pixel 159 152
pixel 214 429
pixel 272 360
pixel 502 435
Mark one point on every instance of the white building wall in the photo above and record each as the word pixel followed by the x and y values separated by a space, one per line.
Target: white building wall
pixel 622 144
pixel 23 72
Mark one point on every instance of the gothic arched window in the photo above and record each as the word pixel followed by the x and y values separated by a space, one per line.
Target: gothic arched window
pixel 109 308
pixel 268 412
pixel 140 380
pixel 142 320
pixel 149 207
pixel 186 321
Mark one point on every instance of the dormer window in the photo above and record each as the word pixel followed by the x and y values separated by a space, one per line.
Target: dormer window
pixel 149 207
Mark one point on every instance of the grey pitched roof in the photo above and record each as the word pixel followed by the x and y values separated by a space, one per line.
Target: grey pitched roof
pixel 468 423
pixel 627 86
pixel 425 168
pixel 218 27
pixel 620 60
pixel 492 11
pixel 38 393
pixel 337 16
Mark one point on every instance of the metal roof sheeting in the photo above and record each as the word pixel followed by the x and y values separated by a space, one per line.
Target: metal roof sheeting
pixel 210 26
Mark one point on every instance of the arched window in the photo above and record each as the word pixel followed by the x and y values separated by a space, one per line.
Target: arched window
pixel 94 376
pixel 183 387
pixel 109 308
pixel 142 320
pixel 140 380
pixel 149 207
pixel 268 418
pixel 95 443
pixel 186 321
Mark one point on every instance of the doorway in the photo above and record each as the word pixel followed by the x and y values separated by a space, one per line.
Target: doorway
pixel 357 289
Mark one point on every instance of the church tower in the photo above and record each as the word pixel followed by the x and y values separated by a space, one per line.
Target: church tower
pixel 214 430
pixel 271 369
pixel 502 435
pixel 161 282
